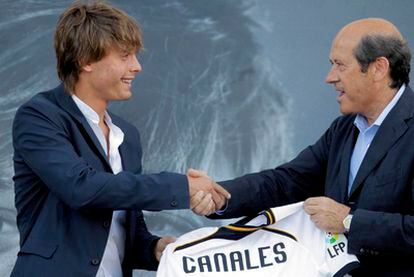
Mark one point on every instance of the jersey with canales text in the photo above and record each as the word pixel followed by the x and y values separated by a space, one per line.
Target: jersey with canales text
pixel 281 241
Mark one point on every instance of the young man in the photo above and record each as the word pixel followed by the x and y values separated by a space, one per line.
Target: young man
pixel 79 191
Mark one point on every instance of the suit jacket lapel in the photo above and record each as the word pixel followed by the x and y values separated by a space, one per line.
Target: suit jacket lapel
pixel 345 163
pixel 129 162
pixel 67 103
pixel 392 128
pixel 129 148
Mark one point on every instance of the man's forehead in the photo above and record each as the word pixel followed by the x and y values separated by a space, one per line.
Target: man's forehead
pixel 118 48
pixel 369 26
pixel 344 44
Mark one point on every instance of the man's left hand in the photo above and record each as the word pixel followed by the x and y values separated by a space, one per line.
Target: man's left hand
pixel 161 244
pixel 326 213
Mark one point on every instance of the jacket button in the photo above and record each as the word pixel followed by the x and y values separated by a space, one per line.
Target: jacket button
pixel 362 250
pixel 95 261
pixel 174 203
pixel 106 224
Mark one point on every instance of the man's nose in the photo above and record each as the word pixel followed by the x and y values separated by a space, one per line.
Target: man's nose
pixel 136 66
pixel 332 76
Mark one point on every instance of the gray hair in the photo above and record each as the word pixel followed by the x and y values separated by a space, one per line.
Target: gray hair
pixel 393 48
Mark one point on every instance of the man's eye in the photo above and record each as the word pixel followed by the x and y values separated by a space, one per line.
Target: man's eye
pixel 340 66
pixel 124 54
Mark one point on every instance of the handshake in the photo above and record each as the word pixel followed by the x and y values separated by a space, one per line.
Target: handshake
pixel 206 196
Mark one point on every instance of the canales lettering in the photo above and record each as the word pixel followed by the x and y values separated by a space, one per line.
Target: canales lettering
pixel 236 260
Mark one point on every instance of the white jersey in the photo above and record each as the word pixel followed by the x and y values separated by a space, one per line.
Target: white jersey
pixel 291 245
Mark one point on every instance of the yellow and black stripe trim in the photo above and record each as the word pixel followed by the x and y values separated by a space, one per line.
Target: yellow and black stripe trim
pixel 237 231
pixel 189 244
pixel 280 232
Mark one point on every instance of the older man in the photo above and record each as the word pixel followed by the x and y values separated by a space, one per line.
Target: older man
pixel 357 178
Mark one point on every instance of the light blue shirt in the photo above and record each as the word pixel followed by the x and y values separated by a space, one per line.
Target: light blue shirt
pixel 366 135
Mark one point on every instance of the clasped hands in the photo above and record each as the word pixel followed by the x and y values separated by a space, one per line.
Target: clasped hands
pixel 206 196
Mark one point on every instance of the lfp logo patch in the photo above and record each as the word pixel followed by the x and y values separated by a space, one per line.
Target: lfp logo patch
pixel 331 238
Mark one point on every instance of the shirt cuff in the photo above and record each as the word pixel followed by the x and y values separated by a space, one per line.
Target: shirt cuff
pixel 223 210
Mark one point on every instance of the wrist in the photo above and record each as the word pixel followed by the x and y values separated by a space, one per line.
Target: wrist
pixel 347 223
pixel 221 210
pixel 153 247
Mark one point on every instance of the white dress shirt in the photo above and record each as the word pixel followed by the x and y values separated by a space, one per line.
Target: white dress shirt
pixel 114 250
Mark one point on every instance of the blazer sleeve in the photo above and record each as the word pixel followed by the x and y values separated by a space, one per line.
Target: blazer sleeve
pixel 294 181
pixel 41 142
pixel 377 233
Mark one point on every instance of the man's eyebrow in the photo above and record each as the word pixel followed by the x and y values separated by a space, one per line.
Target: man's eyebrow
pixel 335 61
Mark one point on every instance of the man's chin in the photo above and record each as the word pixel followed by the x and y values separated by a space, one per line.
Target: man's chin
pixel 344 110
pixel 125 95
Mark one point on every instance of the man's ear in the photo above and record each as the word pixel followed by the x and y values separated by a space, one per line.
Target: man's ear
pixel 87 67
pixel 381 68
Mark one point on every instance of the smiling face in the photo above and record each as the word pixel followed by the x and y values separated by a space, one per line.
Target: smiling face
pixel 110 78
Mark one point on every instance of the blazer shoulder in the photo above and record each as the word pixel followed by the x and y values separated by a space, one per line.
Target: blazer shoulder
pixel 342 123
pixel 40 101
pixel 44 107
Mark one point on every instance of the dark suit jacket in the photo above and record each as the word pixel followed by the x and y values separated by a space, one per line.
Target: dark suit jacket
pixel 66 191
pixel 382 229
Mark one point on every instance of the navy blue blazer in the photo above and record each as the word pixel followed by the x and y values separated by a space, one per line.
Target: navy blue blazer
pixel 66 191
pixel 382 195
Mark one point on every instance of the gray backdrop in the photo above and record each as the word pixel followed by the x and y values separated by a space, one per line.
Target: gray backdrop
pixel 230 87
